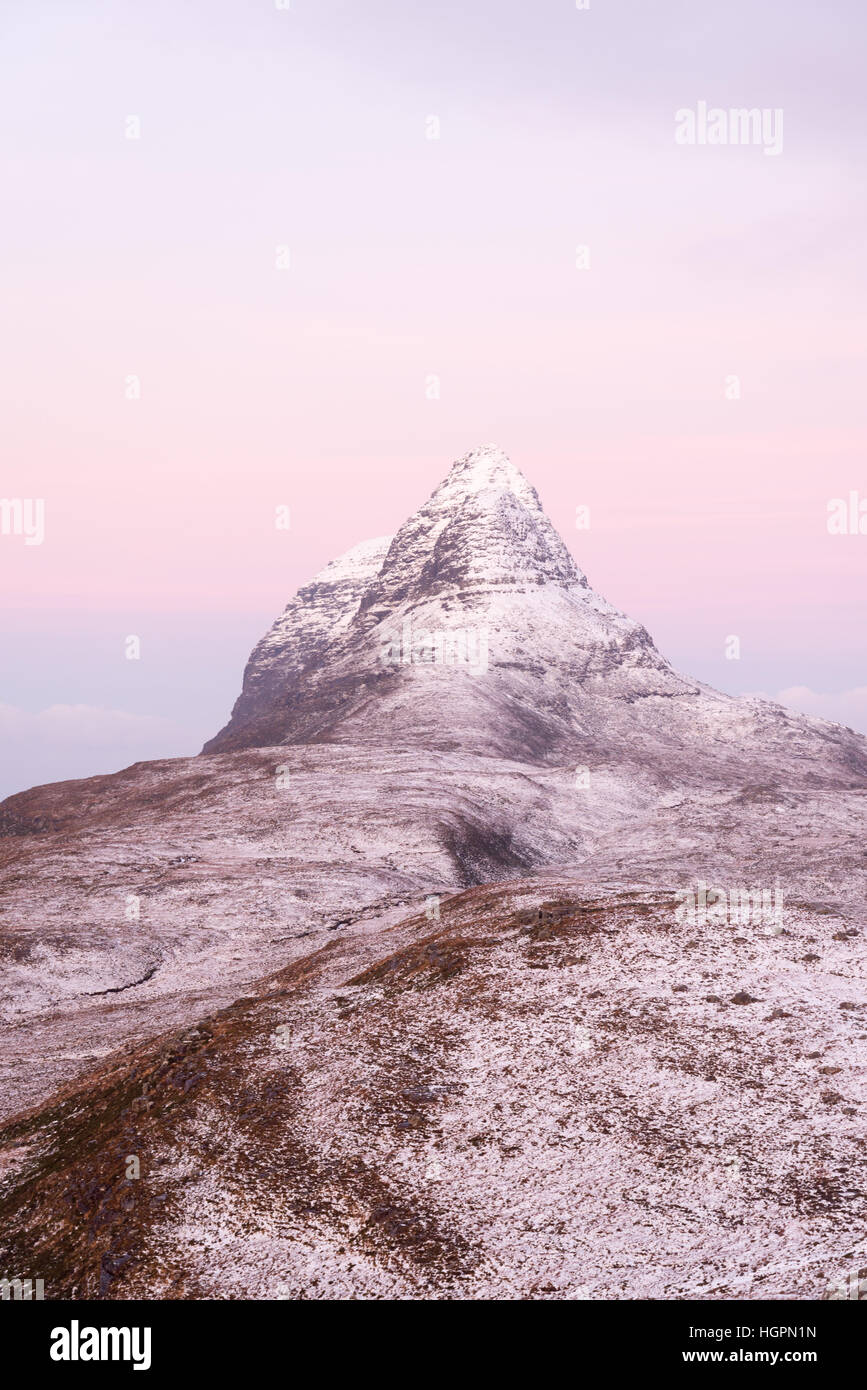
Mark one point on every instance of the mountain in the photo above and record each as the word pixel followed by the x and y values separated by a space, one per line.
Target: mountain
pixel 481 954
pixel 474 630
pixel 393 641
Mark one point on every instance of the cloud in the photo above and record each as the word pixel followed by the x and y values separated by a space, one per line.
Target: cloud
pixel 847 707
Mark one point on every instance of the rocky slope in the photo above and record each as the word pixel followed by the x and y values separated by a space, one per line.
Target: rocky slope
pixel 451 708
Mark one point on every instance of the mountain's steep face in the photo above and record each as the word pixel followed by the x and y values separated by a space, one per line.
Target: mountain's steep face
pixel 318 614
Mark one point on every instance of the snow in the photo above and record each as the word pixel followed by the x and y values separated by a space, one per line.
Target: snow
pixel 601 1101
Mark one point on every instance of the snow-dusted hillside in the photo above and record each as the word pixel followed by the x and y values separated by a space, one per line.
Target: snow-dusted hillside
pixel 449 708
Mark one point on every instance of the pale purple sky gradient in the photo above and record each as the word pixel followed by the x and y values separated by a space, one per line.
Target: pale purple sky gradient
pixel 306 128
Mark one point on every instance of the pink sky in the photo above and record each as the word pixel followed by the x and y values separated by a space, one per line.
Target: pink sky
pixel 409 257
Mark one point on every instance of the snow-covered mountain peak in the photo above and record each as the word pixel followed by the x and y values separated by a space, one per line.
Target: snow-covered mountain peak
pixel 477 565
pixel 481 469
pixel 483 528
pixel 473 631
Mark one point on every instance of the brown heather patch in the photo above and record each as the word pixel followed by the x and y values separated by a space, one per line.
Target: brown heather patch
pixel 447 952
pixel 433 961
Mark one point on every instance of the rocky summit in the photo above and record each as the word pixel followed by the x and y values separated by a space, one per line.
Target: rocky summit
pixel 481 954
